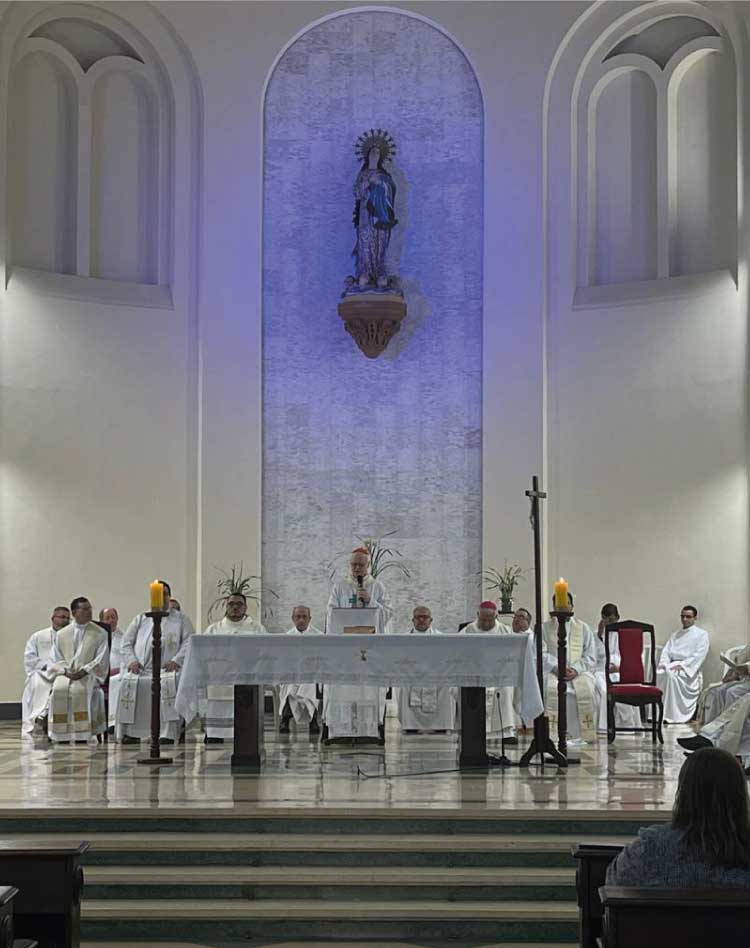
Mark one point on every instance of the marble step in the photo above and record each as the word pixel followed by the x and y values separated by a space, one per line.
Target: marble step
pixel 354 883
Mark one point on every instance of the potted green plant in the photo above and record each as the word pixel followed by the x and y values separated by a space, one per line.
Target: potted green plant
pixel 382 557
pixel 233 582
pixel 504 582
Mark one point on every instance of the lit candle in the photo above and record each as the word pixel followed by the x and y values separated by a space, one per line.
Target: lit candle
pixel 156 590
pixel 561 596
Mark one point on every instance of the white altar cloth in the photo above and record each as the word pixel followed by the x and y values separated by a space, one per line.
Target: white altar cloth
pixel 466 661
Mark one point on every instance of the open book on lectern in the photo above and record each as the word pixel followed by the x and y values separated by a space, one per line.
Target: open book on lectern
pixel 353 621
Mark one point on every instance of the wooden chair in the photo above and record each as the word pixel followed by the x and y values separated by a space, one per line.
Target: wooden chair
pixel 632 688
pixel 592 858
pixel 690 918
pixel 49 880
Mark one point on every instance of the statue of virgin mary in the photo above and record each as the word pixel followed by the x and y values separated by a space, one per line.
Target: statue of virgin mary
pixel 374 210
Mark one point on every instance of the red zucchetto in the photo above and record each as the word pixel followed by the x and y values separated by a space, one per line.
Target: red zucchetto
pixel 361 549
pixel 488 604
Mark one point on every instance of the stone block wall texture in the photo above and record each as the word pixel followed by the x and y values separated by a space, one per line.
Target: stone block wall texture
pixel 351 445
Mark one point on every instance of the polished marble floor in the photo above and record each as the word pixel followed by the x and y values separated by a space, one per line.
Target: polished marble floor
pixel 415 772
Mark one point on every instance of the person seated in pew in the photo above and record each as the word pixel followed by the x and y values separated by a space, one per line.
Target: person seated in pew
pixel 81 654
pixel 133 714
pixel 718 696
pixel 219 703
pixel 502 714
pixel 300 701
pixel 707 842
pixel 40 673
pixel 425 709
pixel 579 675
pixel 111 617
pixel 625 715
pixel 678 673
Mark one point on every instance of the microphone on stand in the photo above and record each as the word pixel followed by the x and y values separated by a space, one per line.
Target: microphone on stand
pixel 360 583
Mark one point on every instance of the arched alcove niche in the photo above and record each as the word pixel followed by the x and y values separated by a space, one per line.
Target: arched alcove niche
pixel 105 173
pixel 353 446
pixel 654 149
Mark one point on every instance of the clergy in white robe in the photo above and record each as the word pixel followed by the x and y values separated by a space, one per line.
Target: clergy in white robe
pixel 730 731
pixel 111 616
pixel 133 716
pixel 734 685
pixel 77 701
pixel 625 715
pixel 425 709
pixel 579 674
pixel 500 700
pixel 40 672
pixel 357 711
pixel 219 705
pixel 678 673
pixel 300 701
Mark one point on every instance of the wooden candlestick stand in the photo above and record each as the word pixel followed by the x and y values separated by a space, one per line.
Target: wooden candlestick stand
pixel 155 757
pixel 562 685
pixel 542 743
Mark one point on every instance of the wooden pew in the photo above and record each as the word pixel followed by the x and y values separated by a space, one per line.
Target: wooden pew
pixel 7 894
pixel 690 918
pixel 49 880
pixel 593 859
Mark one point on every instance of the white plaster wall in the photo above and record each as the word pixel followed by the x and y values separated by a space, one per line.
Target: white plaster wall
pixel 125 378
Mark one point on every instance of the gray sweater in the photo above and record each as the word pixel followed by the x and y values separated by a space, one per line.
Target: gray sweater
pixel 657 858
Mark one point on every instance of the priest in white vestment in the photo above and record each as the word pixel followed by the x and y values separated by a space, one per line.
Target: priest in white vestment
pixel 730 731
pixel 133 716
pixel 678 673
pixel 300 701
pixel 40 672
pixel 579 674
pixel 502 713
pixel 111 616
pixel 425 709
pixel 625 715
pixel 357 711
pixel 734 685
pixel 77 703
pixel 219 704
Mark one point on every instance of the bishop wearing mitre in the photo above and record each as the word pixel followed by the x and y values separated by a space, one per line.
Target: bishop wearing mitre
pixel 357 711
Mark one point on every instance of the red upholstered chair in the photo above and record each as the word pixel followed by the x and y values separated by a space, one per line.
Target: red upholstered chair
pixel 633 688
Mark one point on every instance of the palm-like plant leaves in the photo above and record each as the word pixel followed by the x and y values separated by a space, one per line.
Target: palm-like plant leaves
pixel 233 582
pixel 382 557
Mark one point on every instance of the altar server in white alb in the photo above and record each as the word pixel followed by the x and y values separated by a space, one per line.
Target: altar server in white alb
pixel 111 616
pixel 625 715
pixel 219 705
pixel 426 709
pixel 502 715
pixel 133 718
pixel 300 701
pixel 579 672
pixel 678 673
pixel 81 654
pixel 40 673
pixel 357 711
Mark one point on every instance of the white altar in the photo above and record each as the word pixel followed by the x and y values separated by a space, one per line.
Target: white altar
pixel 466 661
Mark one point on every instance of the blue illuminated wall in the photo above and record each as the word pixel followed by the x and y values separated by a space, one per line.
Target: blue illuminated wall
pixel 353 445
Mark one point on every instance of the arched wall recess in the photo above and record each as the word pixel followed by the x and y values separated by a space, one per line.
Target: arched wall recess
pixel 121 181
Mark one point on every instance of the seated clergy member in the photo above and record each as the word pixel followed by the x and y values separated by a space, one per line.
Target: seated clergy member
pixel 502 715
pixel 625 715
pixel 40 673
pixel 426 709
pixel 220 698
pixel 522 622
pixel 300 701
pixel 735 683
pixel 77 702
pixel 579 675
pixel 678 673
pixel 729 731
pixel 133 716
pixel 357 711
pixel 111 616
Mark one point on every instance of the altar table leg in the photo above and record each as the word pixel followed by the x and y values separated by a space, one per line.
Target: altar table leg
pixel 248 729
pixel 473 728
